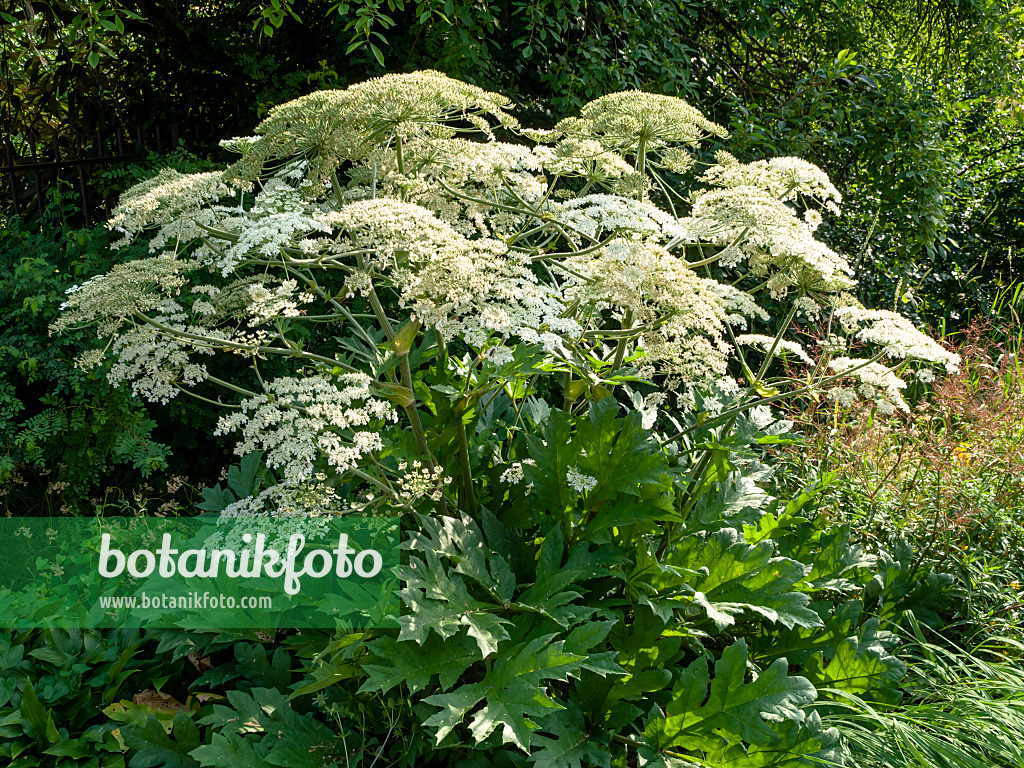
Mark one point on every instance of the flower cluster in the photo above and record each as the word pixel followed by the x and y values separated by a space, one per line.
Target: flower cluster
pixel 419 481
pixel 327 128
pixel 171 199
pixel 155 362
pixel 785 178
pixel 299 420
pixel 754 226
pixel 478 290
pixel 679 316
pixel 283 301
pixel 129 290
pixel 782 346
pixel 586 158
pixel 896 335
pixel 877 383
pixel 578 481
pixel 632 120
pixel 292 506
pixel 598 216
pixel 375 203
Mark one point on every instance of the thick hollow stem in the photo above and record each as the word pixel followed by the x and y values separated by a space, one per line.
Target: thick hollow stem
pixel 770 355
pixel 468 497
pixel 620 348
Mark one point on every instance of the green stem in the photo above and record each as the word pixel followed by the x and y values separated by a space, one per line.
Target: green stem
pixel 620 348
pixel 213 343
pixel 778 338
pixel 469 498
pixel 765 400
pixel 229 385
pixel 641 164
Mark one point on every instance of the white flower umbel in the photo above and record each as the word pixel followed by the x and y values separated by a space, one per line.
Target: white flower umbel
pixel 877 383
pixel 514 474
pixel 784 346
pixel 598 216
pixel 278 218
pixel 451 177
pixel 477 290
pixel 785 178
pixel 327 128
pixel 585 158
pixel 169 197
pixel 757 228
pixel 134 288
pixel 738 305
pixel 292 506
pixel 578 481
pixel 395 231
pixel 896 335
pixel 155 362
pixel 681 318
pixel 282 301
pixel 301 419
pixel 632 120
pixel 419 481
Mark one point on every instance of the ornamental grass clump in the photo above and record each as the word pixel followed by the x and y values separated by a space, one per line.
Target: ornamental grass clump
pixel 528 347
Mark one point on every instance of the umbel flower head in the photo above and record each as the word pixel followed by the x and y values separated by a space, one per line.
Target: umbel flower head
pixel 167 197
pixel 785 178
pixel 329 127
pixel 625 121
pixel 111 300
pixel 300 420
pixel 757 227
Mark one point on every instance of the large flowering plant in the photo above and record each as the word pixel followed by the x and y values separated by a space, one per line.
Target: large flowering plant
pixel 552 351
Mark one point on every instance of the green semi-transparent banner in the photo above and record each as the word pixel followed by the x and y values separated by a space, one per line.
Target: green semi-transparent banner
pixel 199 573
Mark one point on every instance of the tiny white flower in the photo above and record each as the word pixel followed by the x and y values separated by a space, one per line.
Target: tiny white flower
pixel 578 481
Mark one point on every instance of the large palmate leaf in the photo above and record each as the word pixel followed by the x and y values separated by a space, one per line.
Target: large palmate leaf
pixel 512 693
pixel 798 643
pixel 799 745
pixel 710 714
pixel 728 577
pixel 570 745
pixel 836 564
pixel 438 596
pixel 734 500
pixel 554 454
pixel 861 666
pixel 155 747
pixel 416 665
pixel 619 452
pixel 555 582
pixel 903 583
pixel 616 452
pixel 263 730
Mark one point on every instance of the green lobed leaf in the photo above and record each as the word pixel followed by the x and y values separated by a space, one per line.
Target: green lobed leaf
pixel 708 714
pixel 415 664
pixel 512 693
pixel 572 745
pixel 729 577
